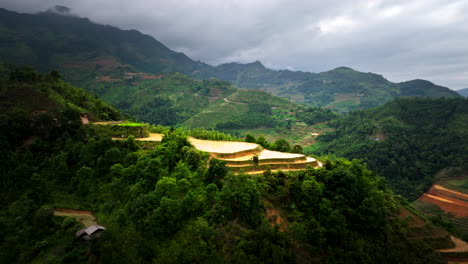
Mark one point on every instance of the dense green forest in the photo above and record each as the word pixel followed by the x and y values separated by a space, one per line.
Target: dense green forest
pixel 407 141
pixel 166 205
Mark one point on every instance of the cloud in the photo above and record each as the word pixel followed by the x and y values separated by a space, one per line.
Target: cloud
pixel 397 38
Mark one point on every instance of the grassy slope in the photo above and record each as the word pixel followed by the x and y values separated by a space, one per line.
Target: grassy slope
pixel 192 103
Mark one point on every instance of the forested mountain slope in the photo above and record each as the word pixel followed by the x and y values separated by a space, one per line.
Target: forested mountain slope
pixel 165 205
pixel 176 99
pixel 48 40
pixel 85 51
pixel 34 104
pixel 340 89
pixel 406 141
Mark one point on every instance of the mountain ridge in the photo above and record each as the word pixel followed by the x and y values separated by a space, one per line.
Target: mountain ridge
pixel 463 92
pixel 84 51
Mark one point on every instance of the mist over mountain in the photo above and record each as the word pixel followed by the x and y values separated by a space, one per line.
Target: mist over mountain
pixel 117 149
pixel 86 51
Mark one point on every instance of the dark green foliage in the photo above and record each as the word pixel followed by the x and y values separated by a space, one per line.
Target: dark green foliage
pixel 120 131
pixel 249 138
pixel 216 172
pixel 167 207
pixel 44 95
pixel 406 141
pixel 281 145
pixel 47 40
pixel 174 204
pixel 314 115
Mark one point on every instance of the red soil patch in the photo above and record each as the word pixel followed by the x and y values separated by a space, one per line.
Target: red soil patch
pixel 151 77
pixel 440 190
pixel 275 218
pixel 457 260
pixel 448 204
pixel 107 79
pixel 107 62
pixel 416 221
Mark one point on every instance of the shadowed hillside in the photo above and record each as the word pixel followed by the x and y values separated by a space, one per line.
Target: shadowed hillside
pixel 85 51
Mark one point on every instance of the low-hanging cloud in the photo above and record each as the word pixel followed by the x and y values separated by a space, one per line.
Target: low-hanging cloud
pixel 402 40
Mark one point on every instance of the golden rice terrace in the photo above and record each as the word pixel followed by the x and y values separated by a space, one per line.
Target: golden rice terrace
pixel 251 158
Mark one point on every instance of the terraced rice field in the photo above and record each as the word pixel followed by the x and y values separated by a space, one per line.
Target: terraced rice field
pixel 456 184
pixel 449 199
pixel 108 123
pixel 240 156
pixel 225 147
pixel 153 137
pixel 426 207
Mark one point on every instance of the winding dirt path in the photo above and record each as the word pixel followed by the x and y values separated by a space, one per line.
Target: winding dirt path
pixel 460 246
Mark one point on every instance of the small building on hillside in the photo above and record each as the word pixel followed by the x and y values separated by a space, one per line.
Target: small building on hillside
pixel 90 232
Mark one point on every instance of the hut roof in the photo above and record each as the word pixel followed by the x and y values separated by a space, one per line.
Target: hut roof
pixel 89 230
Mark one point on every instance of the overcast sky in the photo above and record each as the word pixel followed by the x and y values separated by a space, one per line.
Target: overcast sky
pixel 400 39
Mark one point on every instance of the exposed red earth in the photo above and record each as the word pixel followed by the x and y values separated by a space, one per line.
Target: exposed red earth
pixel 448 200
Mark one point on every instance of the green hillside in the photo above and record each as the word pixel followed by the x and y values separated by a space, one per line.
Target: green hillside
pixel 407 141
pixel 80 47
pixel 176 99
pixel 85 51
pixel 341 89
pixel 24 88
pixel 34 104
pixel 166 205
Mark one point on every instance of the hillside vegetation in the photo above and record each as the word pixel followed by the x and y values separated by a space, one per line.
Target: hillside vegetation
pixel 176 99
pixel 165 205
pixel 341 89
pixel 34 104
pixel 79 47
pixel 407 141
pixel 85 51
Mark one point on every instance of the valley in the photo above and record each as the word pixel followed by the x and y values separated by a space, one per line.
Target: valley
pixel 184 162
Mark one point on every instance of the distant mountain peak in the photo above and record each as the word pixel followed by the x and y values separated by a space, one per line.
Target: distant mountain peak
pixel 256 63
pixel 343 68
pixel 419 81
pixel 463 92
pixel 59 10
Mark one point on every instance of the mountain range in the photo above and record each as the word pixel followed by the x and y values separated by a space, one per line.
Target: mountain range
pixel 87 52
pixel 164 201
pixel 463 92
